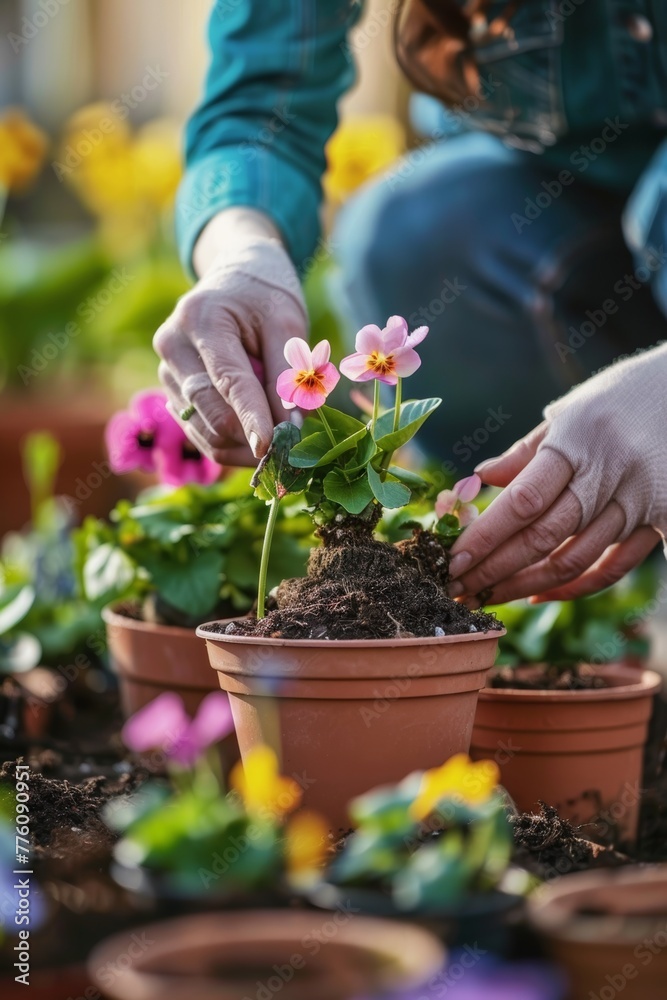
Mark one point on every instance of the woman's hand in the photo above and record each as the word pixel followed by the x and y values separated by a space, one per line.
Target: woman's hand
pixel 586 492
pixel 222 347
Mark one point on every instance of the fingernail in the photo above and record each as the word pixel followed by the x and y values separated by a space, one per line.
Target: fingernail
pixel 459 564
pixel 485 466
pixel 255 444
pixel 455 589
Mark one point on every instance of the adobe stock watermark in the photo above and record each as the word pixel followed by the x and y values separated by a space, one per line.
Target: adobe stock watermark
pixel 55 343
pixel 580 159
pixel 623 290
pixel 644 953
pixel 451 289
pixel 31 26
pixel 91 138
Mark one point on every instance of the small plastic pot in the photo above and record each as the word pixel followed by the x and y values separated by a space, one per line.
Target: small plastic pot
pixel 580 751
pixel 608 929
pixel 298 955
pixel 348 715
pixel 150 659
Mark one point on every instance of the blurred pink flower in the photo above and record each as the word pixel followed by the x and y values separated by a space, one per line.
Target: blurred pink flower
pixel 147 437
pixel 131 434
pixel 386 355
pixel 457 500
pixel 310 379
pixel 164 724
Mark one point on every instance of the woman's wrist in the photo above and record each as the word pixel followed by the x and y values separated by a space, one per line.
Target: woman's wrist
pixel 231 225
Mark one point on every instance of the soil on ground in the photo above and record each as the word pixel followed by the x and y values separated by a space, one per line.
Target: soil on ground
pixel 545 677
pixel 358 587
pixel 549 846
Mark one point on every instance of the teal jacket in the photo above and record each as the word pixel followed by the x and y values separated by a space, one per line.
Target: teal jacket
pixel 582 83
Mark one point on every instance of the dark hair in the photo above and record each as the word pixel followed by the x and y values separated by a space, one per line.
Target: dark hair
pixel 434 42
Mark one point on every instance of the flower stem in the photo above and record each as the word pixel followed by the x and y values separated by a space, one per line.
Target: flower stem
pixel 327 427
pixel 376 405
pixel 397 404
pixel 266 549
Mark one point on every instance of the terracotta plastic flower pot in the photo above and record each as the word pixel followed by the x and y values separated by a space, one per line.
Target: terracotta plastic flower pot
pixel 150 659
pixel 580 751
pixel 608 929
pixel 347 715
pixel 297 955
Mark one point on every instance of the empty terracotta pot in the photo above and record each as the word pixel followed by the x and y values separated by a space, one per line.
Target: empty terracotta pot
pixel 150 659
pixel 608 929
pixel 347 715
pixel 580 751
pixel 297 955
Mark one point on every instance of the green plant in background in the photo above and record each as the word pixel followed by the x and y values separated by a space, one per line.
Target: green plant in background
pixel 193 832
pixel 38 588
pixel 598 629
pixel 189 552
pixel 431 841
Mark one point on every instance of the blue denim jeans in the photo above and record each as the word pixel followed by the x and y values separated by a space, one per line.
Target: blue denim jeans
pixel 526 284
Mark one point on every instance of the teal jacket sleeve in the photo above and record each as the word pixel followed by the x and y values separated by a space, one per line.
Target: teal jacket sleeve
pixel 257 138
pixel 645 225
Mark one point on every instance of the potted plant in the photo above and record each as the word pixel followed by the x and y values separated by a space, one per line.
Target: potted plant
pixel 192 842
pixel 607 930
pixel 435 848
pixel 186 550
pixel 574 726
pixel 364 668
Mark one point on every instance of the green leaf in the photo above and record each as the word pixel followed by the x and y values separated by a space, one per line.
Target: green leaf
pixel 192 587
pixel 342 424
pixel 353 496
pixel 19 654
pixel 317 449
pixel 390 493
pixel 107 572
pixel 412 416
pixel 363 454
pixel 15 605
pixel 448 527
pixel 275 476
pixel 415 483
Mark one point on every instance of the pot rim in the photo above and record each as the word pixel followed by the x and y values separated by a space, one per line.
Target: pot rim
pixel 550 913
pixel 430 640
pixel 419 959
pixel 647 682
pixel 112 616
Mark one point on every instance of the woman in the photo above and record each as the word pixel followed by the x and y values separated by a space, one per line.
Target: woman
pixel 532 242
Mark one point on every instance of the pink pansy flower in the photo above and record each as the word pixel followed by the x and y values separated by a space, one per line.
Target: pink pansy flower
pixel 179 462
pixel 457 500
pixel 310 379
pixel 164 724
pixel 131 434
pixel 386 355
pixel 147 437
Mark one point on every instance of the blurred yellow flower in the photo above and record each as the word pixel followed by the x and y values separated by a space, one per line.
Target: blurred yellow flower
pixel 460 779
pixel 265 792
pixel 23 147
pixel 307 844
pixel 359 149
pixel 157 161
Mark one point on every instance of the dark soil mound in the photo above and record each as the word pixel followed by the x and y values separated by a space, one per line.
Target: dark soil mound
pixel 360 588
pixel 65 817
pixel 549 846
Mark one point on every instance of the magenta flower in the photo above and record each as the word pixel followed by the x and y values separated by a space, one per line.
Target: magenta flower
pixel 165 725
pixel 386 355
pixel 310 379
pixel 131 434
pixel 457 500
pixel 147 437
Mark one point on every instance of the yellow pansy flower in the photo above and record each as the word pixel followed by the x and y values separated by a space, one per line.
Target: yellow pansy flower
pixel 157 162
pixel 23 147
pixel 265 792
pixel 359 149
pixel 459 778
pixel 307 844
